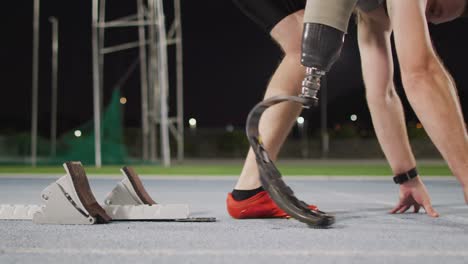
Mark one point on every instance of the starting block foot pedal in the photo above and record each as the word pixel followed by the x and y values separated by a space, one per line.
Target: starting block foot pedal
pixel 70 200
pixel 129 191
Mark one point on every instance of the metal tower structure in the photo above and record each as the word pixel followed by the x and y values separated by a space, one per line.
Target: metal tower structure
pixel 153 41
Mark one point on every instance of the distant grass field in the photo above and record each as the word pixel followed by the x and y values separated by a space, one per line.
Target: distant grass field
pixel 206 169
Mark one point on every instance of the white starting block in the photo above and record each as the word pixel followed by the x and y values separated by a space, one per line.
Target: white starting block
pixel 69 200
pixel 129 200
pixel 129 191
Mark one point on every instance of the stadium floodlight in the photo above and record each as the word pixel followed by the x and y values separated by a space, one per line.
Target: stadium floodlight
pixel 353 117
pixel 300 120
pixel 230 128
pixel 77 133
pixel 123 100
pixel 192 122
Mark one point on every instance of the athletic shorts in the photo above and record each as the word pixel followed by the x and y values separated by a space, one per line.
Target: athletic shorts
pixel 267 13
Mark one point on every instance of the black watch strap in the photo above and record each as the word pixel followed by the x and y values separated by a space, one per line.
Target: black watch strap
pixel 404 177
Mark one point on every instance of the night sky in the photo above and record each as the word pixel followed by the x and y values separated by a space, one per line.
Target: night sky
pixel 228 61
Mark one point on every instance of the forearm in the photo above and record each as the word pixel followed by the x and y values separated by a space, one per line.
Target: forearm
pixel 384 103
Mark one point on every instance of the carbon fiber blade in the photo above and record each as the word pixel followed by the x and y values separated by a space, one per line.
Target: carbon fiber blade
pixel 270 176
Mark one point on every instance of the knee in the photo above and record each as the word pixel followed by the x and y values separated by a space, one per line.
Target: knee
pixel 290 44
pixel 288 33
pixel 291 47
pixel 293 58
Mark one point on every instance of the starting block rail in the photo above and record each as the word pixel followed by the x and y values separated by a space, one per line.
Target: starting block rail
pixel 18 212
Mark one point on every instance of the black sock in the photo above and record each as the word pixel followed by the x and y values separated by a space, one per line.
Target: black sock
pixel 240 195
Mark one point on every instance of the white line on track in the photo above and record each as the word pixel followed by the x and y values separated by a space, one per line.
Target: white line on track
pixel 201 252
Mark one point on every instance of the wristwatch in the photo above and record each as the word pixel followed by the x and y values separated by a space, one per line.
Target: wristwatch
pixel 404 177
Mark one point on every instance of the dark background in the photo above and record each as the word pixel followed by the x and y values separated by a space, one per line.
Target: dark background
pixel 228 61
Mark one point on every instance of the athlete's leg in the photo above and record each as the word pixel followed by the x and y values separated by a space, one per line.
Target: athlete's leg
pixel 320 48
pixel 277 121
pixel 305 39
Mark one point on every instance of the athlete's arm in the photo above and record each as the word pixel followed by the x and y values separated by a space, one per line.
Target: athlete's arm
pixel 374 32
pixel 429 87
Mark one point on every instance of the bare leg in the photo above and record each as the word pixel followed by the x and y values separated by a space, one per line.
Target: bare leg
pixel 277 121
pixel 429 87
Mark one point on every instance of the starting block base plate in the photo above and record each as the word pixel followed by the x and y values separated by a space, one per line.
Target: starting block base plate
pixel 147 212
pixel 18 211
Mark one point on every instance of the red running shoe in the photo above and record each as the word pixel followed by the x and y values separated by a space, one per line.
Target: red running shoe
pixel 257 206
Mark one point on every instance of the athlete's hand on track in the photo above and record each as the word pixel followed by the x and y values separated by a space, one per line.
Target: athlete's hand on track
pixel 413 193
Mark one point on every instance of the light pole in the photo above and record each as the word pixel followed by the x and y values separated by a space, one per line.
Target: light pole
pixel 35 84
pixel 53 118
pixel 323 120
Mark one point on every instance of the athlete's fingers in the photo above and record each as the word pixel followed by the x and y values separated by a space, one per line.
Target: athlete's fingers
pixel 404 209
pixel 396 208
pixel 430 210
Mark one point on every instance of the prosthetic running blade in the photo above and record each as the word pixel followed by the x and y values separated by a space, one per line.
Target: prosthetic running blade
pixel 270 176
